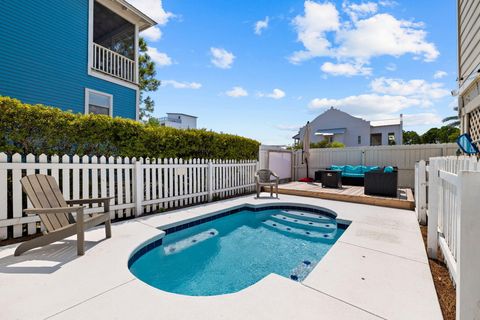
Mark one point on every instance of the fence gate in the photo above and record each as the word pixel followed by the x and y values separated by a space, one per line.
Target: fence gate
pixel 280 162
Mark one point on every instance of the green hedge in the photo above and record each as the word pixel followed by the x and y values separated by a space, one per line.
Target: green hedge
pixel 39 129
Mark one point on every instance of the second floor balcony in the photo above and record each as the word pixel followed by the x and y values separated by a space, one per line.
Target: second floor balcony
pixel 113 49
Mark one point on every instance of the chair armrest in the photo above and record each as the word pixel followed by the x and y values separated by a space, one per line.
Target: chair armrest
pixel 89 201
pixel 53 210
pixel 274 174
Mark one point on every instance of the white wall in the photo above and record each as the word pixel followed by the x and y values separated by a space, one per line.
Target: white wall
pixel 385 130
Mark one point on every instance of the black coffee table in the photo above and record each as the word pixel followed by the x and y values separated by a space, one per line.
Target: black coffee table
pixel 331 178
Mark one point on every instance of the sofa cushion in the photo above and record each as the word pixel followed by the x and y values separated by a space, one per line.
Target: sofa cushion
pixel 353 169
pixel 370 168
pixel 388 169
pixel 338 168
pixel 353 175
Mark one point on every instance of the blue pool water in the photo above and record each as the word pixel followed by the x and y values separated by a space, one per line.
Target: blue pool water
pixel 231 253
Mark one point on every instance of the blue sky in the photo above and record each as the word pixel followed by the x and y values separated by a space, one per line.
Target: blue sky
pixel 261 69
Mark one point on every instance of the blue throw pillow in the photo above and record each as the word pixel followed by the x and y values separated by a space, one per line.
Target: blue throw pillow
pixel 388 169
pixel 338 168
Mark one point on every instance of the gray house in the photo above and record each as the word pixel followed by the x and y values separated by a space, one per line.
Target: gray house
pixel 179 121
pixel 336 125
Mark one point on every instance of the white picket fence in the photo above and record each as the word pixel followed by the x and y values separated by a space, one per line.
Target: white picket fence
pixel 137 185
pixel 453 215
pixel 403 157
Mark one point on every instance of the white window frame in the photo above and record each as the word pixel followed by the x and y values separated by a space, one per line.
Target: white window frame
pixel 87 96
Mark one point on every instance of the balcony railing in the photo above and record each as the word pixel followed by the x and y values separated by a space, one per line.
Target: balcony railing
pixel 114 64
pixel 167 119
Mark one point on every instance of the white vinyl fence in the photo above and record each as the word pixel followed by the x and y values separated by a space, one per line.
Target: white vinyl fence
pixel 137 185
pixel 402 156
pixel 453 215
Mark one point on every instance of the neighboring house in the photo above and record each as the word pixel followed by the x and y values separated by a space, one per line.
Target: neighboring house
pixel 179 121
pixel 468 12
pixel 336 125
pixel 77 55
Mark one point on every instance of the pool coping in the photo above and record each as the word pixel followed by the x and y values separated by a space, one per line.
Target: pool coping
pixel 385 234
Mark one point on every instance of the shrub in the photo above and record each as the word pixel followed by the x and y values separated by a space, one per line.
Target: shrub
pixel 326 144
pixel 40 129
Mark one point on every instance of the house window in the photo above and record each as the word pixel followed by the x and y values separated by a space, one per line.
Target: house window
pixel 98 102
pixel 359 139
pixel 391 138
pixel 376 139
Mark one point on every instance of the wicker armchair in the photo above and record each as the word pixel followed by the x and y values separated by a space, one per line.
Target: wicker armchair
pixel 263 178
pixel 380 183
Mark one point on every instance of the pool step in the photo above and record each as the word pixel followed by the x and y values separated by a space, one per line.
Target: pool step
pixel 189 242
pixel 298 231
pixel 307 216
pixel 302 270
pixel 305 224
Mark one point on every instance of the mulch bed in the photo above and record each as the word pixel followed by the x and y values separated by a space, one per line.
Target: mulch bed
pixel 443 283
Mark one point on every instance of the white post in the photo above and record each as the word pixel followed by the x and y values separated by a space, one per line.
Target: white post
pixel 138 183
pixel 210 181
pixel 422 193
pixel 433 199
pixel 468 254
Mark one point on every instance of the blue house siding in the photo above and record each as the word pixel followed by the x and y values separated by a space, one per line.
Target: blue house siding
pixel 44 56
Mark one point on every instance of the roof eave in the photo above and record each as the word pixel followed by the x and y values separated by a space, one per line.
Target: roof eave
pixel 147 22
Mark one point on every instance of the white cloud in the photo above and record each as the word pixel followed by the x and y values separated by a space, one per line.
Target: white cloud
pixel 356 40
pixel 181 85
pixel 221 58
pixel 153 9
pixel 311 30
pixel 383 34
pixel 391 67
pixel 345 69
pixel 388 3
pixel 416 88
pixel 161 59
pixel 440 74
pixel 422 119
pixel 237 92
pixel 388 98
pixel 152 34
pixel 275 94
pixel 260 25
pixel 356 10
pixel 367 104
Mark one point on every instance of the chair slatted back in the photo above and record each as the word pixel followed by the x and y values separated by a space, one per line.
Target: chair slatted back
pixel 264 175
pixel 43 192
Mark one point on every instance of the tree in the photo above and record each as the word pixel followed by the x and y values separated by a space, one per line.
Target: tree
pixel 147 81
pixel 431 136
pixel 411 137
pixel 441 135
pixel 452 121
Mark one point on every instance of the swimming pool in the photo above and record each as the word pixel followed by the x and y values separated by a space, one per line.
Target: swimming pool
pixel 233 250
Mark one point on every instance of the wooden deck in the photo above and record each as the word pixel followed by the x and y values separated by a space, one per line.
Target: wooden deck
pixel 355 194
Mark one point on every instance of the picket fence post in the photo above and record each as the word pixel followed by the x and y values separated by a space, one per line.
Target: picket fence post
pixel 139 187
pixel 210 181
pixel 421 193
pixel 468 255
pixel 433 205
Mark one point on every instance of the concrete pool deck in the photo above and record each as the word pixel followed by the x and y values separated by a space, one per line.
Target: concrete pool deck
pixel 378 269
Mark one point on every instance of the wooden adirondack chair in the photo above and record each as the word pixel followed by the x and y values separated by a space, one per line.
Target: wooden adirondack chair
pixel 56 213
